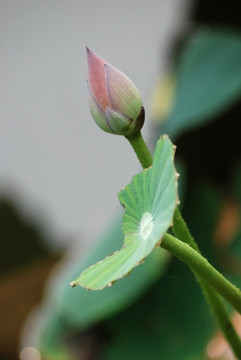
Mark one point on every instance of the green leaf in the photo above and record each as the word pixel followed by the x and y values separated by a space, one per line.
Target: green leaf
pixel 208 79
pixel 173 312
pixel 149 202
pixel 99 305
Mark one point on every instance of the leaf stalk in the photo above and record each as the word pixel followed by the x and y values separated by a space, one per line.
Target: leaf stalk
pixel 186 249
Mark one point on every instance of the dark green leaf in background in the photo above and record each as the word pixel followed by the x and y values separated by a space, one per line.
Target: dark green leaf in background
pixel 208 79
pixel 171 322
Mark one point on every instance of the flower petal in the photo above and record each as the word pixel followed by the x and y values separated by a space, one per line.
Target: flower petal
pixel 97 113
pixel 97 79
pixel 123 94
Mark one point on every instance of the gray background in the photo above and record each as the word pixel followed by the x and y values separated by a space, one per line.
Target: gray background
pixel 54 161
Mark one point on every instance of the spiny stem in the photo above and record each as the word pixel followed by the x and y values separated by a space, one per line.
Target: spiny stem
pixel 214 300
pixel 203 268
pixel 181 230
pixel 220 312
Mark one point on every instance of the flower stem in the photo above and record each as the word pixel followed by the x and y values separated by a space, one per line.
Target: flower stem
pixel 184 249
pixel 140 148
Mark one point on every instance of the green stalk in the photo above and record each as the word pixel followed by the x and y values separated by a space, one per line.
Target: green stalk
pixel 185 249
pixel 220 313
pixel 182 232
pixel 141 150
pixel 214 300
pixel 204 269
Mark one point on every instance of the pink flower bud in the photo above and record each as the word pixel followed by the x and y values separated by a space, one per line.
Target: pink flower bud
pixel 115 102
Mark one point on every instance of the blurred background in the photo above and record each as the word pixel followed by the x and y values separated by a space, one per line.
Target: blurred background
pixel 51 163
pixel 60 174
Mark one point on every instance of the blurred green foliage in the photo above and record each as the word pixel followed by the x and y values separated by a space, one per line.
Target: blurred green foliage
pixel 208 79
pixel 155 314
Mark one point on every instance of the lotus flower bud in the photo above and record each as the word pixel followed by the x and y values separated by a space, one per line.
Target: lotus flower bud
pixel 115 102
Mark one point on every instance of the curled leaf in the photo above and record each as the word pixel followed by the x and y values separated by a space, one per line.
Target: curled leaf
pixel 149 201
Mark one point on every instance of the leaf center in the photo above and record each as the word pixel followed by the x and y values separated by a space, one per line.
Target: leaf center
pixel 146 225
